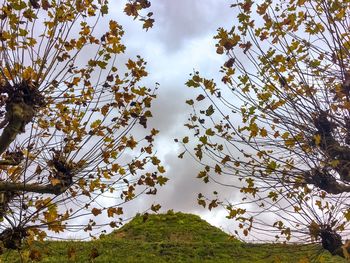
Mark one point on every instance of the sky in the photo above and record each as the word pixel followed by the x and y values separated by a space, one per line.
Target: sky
pixel 180 42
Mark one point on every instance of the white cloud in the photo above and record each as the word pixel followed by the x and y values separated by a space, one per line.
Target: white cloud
pixel 180 42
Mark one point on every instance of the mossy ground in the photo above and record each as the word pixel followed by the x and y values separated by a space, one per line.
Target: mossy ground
pixel 171 237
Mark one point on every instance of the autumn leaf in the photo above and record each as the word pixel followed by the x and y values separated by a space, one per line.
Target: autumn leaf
pixel 220 50
pixel 347 215
pixel 263 132
pixel 193 83
pixel 281 96
pixel 45 4
pixel 209 132
pixel 94 253
pixel 317 139
pixel 202 202
pixel 155 208
pixel 114 210
pixel 96 211
pixel 181 155
pixel 218 169
pixel 200 97
pixel 185 139
pixel 209 111
pixel 161 169
pixel 245 232
pixel 55 181
pixel 71 253
pixel 35 255
pixel 148 23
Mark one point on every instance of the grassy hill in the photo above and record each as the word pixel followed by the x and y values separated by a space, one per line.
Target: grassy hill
pixel 171 237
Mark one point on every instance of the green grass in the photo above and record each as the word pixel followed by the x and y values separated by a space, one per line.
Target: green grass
pixel 171 237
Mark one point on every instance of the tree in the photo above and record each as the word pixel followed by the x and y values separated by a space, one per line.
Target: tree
pixel 67 110
pixel 279 129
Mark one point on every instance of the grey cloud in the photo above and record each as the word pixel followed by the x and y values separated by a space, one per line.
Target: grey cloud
pixel 180 20
pixel 180 41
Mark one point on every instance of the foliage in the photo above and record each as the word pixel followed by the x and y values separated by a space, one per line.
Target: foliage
pixel 279 130
pixel 174 237
pixel 67 109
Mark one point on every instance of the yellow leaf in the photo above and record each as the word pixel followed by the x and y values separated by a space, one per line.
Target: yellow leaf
pixel 161 169
pixel 75 80
pixel 253 129
pixel 218 169
pixel 28 73
pixel 131 143
pixel 314 229
pixel 226 159
pixel 317 139
pixel 122 171
pixel 115 167
pixel 290 142
pixel 55 181
pixel 285 135
pixel 104 110
pixel 111 211
pixel 347 105
pixel 263 132
pixel 347 215
pixel 334 163
pixel 57 228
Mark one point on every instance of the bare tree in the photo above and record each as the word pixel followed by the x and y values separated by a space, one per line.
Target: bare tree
pixel 67 107
pixel 279 129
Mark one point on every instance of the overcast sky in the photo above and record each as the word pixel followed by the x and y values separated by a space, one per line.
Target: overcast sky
pixel 180 41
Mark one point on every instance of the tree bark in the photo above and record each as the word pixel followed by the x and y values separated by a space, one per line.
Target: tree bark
pixel 18 115
pixel 33 188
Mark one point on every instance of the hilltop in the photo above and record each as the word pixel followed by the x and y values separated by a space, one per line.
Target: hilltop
pixel 170 237
pixel 171 227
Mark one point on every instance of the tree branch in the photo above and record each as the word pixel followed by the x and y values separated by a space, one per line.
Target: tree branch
pixel 18 115
pixel 325 181
pixel 34 188
pixel 9 162
pixel 331 147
